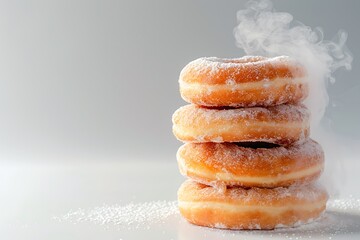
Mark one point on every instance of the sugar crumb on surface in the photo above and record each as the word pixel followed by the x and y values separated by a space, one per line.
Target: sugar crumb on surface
pixel 341 219
pixel 130 216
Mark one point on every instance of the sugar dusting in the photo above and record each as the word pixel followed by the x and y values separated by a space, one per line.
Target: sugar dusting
pixel 341 218
pixel 345 205
pixel 129 216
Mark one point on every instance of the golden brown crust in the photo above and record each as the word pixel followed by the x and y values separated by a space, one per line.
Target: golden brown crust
pixel 283 124
pixel 253 208
pixel 243 82
pixel 233 165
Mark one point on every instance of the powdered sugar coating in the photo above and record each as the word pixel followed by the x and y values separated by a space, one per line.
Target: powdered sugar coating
pixel 283 124
pixel 283 113
pixel 226 156
pixel 196 192
pixel 244 69
pixel 251 208
pixel 243 82
pixel 233 165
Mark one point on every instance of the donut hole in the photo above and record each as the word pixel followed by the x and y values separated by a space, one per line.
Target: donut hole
pixel 256 145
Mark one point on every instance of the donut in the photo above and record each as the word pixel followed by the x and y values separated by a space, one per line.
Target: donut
pixel 281 124
pixel 243 82
pixel 229 164
pixel 250 208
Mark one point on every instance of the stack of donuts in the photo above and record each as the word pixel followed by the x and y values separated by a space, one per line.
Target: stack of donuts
pixel 248 157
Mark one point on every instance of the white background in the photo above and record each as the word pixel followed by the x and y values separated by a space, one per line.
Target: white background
pixel 98 79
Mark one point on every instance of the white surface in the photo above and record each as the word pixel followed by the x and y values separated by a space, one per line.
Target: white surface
pixel 33 194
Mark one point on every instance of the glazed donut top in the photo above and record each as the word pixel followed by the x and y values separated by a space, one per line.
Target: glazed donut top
pixel 196 192
pixel 213 70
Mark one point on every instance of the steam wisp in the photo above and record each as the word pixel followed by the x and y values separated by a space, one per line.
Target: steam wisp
pixel 263 31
